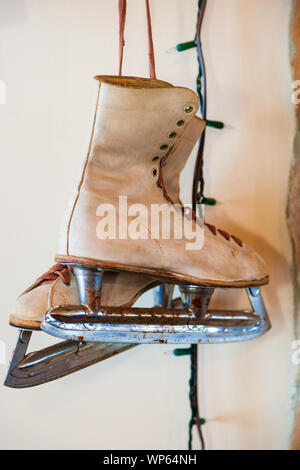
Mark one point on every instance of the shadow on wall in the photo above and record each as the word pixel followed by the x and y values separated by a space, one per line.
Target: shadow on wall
pixel 277 274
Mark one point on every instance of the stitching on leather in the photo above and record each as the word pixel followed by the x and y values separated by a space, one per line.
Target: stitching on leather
pixel 51 292
pixel 84 170
pixel 162 257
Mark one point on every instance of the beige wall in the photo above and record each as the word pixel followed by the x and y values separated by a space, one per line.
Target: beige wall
pixel 49 52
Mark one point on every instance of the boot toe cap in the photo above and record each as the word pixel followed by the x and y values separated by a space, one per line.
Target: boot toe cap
pixel 253 265
pixel 31 306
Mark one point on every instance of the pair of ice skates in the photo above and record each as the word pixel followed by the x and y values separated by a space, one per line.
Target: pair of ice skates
pixel 143 133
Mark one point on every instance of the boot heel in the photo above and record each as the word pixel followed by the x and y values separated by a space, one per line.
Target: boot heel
pixel 196 299
pixel 89 282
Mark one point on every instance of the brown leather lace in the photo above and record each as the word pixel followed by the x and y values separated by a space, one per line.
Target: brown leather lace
pixel 224 234
pixel 191 214
pixel 152 72
pixel 58 270
pixel 160 181
pixel 122 18
pixel 237 240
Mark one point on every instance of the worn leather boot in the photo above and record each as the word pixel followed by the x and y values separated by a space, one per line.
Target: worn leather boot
pixel 58 285
pixel 137 125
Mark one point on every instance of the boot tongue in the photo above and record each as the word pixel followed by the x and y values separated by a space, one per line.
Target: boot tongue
pixel 175 160
pixel 132 82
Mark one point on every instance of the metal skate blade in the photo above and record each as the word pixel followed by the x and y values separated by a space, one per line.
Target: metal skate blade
pixel 56 361
pixel 157 325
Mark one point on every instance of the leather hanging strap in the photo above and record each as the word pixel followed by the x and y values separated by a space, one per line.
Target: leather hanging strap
pixel 122 18
pixel 150 41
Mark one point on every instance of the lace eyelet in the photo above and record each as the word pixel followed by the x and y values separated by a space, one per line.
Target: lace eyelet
pixel 172 135
pixel 188 109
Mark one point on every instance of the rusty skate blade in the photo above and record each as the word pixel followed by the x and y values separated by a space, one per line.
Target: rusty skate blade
pixel 156 325
pixel 56 361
